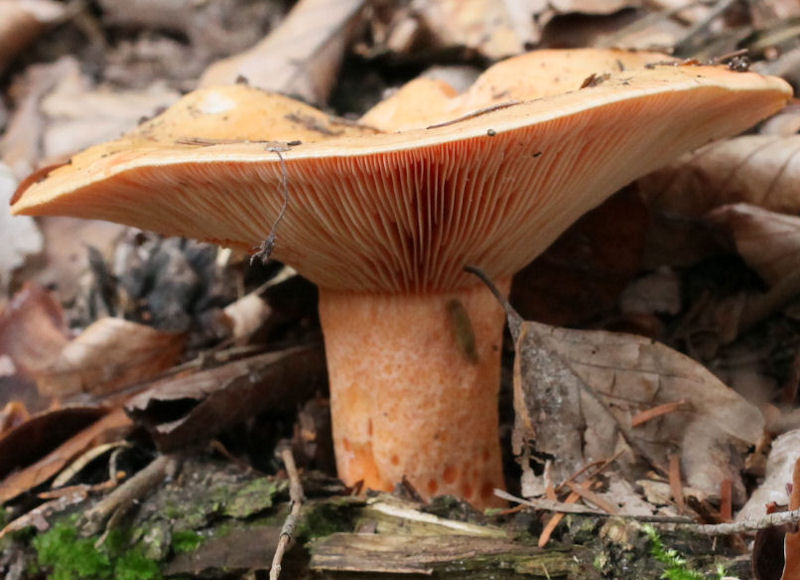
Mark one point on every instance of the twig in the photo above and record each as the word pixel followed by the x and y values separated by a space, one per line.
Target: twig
pixel 296 500
pixel 750 525
pixel 126 495
pixel 676 523
pixel 691 36
pixel 268 245
pixel 477 113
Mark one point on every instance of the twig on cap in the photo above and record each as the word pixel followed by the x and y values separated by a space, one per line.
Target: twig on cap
pixel 296 499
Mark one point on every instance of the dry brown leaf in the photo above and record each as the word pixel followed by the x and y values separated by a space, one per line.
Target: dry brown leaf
pixel 60 111
pixel 20 145
pixel 482 25
pixel 41 433
pixel 301 57
pixel 791 547
pixel 769 242
pixel 782 457
pixel 784 123
pixel 18 238
pixel 592 6
pixel 79 115
pixel 761 170
pixel 33 329
pixel 223 396
pixel 63 266
pixel 576 393
pixel 113 426
pixel 21 21
pixel 108 355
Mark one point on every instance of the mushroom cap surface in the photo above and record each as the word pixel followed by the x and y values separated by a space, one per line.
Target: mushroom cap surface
pixel 529 76
pixel 404 211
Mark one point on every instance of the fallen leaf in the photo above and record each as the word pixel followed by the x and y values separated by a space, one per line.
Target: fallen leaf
pixel 13 414
pixel 33 329
pixel 19 238
pixel 109 354
pixel 780 464
pixel 592 6
pixel 63 265
pixel 762 170
pixel 791 549
pixel 769 242
pixel 784 123
pixel 481 25
pixel 20 145
pixel 209 401
pixel 41 433
pixel 60 111
pixel 111 427
pixel 78 114
pixel 301 57
pixel 21 21
pixel 577 392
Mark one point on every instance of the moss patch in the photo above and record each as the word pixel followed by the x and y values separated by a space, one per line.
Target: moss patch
pixel 186 541
pixel 71 557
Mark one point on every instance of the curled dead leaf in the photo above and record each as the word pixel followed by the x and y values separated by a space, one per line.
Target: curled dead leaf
pixel 33 329
pixel 21 21
pixel 761 170
pixel 300 57
pixel 112 426
pixel 109 354
pixel 768 241
pixel 218 398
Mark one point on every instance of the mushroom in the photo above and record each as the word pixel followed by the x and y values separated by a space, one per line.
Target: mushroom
pixel 384 224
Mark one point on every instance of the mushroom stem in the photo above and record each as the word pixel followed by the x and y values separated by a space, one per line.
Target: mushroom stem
pixel 414 389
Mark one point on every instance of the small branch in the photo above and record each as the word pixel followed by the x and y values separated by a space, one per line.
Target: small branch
pixel 126 495
pixel 675 523
pixel 750 525
pixel 296 500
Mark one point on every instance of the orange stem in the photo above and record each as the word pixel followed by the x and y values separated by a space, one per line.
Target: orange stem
pixel 414 386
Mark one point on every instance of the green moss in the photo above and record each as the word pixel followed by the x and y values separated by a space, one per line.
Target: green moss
pixel 186 541
pixel 69 556
pixel 325 518
pixel 256 496
pixel 676 566
pixel 133 565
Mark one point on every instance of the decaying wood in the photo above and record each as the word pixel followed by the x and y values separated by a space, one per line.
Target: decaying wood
pixel 449 556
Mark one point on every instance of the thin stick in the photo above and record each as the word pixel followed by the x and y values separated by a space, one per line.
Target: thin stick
pixel 129 493
pixel 477 113
pixel 675 523
pixel 296 499
pixel 268 245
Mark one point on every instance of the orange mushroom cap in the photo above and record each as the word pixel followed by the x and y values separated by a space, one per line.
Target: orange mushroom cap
pixel 384 224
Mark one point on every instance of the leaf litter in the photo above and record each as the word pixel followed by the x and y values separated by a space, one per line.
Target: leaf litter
pixel 636 427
